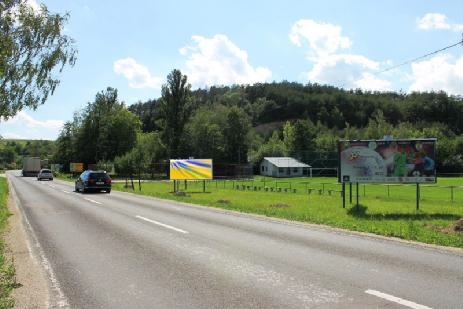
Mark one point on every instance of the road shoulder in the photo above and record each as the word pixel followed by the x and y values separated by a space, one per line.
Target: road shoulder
pixel 33 293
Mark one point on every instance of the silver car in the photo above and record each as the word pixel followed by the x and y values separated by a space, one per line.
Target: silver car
pixel 45 174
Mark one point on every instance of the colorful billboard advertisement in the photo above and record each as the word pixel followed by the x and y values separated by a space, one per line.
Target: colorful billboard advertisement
pixel 191 169
pixel 387 161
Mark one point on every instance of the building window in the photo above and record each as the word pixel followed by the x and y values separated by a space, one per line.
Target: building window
pixel 295 170
pixel 263 168
pixel 281 170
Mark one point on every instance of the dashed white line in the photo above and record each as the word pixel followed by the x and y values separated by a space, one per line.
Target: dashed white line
pixel 163 225
pixel 65 191
pixel 397 300
pixel 90 200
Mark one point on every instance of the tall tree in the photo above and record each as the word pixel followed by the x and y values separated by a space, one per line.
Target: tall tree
pixel 33 49
pixel 176 104
pixel 235 135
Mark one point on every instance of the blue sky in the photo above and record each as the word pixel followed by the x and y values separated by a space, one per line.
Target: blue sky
pixel 133 46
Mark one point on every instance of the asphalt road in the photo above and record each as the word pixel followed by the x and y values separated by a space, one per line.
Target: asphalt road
pixel 123 251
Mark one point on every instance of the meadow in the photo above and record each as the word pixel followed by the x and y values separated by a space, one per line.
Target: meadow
pixel 388 210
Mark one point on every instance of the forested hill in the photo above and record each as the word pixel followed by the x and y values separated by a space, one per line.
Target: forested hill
pixel 300 120
pixel 332 107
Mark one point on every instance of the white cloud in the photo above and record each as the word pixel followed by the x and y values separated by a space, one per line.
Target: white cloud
pixel 23 118
pixel 331 67
pixel 323 38
pixel 33 4
pixel 138 75
pixel 347 71
pixel 219 61
pixel 441 72
pixel 432 21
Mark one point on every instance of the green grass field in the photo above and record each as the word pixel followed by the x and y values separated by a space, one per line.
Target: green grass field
pixel 388 210
pixel 7 272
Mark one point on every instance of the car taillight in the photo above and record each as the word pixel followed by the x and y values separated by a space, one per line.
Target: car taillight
pixel 108 181
pixel 90 180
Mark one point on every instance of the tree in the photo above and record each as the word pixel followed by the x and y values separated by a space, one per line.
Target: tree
pixel 235 135
pixel 176 104
pixel 33 50
pixel 107 129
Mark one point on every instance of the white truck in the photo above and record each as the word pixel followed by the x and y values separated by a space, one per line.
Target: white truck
pixel 31 166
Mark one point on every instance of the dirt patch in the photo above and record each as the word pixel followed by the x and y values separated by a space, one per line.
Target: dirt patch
pixel 458 226
pixel 280 205
pixel 33 293
pixel 223 201
pixel 180 193
pixel 454 227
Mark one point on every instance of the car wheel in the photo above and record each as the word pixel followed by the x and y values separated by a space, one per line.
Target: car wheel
pixel 108 191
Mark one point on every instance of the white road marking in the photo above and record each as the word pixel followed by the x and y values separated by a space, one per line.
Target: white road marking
pixel 397 300
pixel 51 186
pixel 90 200
pixel 65 191
pixel 163 225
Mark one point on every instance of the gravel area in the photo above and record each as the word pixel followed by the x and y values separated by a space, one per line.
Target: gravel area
pixel 33 293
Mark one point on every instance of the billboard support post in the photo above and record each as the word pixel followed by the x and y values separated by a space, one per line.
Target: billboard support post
pixel 350 192
pixel 357 192
pixel 417 196
pixel 204 185
pixel 343 195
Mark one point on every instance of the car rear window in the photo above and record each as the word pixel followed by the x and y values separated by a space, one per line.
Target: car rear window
pixel 46 171
pixel 99 176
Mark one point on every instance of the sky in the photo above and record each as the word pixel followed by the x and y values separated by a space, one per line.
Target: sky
pixel 132 46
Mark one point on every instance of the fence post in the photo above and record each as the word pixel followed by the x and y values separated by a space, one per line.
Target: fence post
pixel 364 186
pixel 451 193
pixel 388 194
pixel 323 188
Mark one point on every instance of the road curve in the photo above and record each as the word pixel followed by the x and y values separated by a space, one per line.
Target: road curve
pixel 119 250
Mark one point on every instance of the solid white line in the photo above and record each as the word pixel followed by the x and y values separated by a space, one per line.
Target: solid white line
pixel 162 224
pixel 90 200
pixel 398 300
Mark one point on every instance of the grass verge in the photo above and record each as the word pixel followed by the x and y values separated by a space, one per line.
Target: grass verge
pixel 7 271
pixel 393 215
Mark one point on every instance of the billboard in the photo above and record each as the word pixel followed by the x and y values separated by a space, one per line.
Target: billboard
pixel 76 167
pixel 191 169
pixel 389 161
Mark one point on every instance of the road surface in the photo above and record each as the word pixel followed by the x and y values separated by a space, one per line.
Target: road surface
pixel 119 250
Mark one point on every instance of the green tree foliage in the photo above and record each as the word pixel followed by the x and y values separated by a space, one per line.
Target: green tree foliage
pixel 33 50
pixel 176 107
pixel 204 133
pixel 104 130
pixel 236 136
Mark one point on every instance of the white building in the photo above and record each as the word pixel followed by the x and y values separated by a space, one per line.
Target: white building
pixel 283 167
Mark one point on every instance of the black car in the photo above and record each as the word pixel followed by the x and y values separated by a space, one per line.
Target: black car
pixel 93 181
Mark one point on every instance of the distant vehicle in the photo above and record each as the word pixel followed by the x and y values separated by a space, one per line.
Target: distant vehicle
pixel 45 174
pixel 93 181
pixel 31 166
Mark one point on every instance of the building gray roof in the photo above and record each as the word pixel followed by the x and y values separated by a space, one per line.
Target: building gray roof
pixel 285 162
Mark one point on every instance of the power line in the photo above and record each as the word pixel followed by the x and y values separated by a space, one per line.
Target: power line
pixel 421 57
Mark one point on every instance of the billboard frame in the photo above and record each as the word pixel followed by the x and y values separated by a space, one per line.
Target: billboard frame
pixel 399 140
pixel 342 179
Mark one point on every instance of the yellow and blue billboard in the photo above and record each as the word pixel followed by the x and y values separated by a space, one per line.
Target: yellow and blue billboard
pixel 191 169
